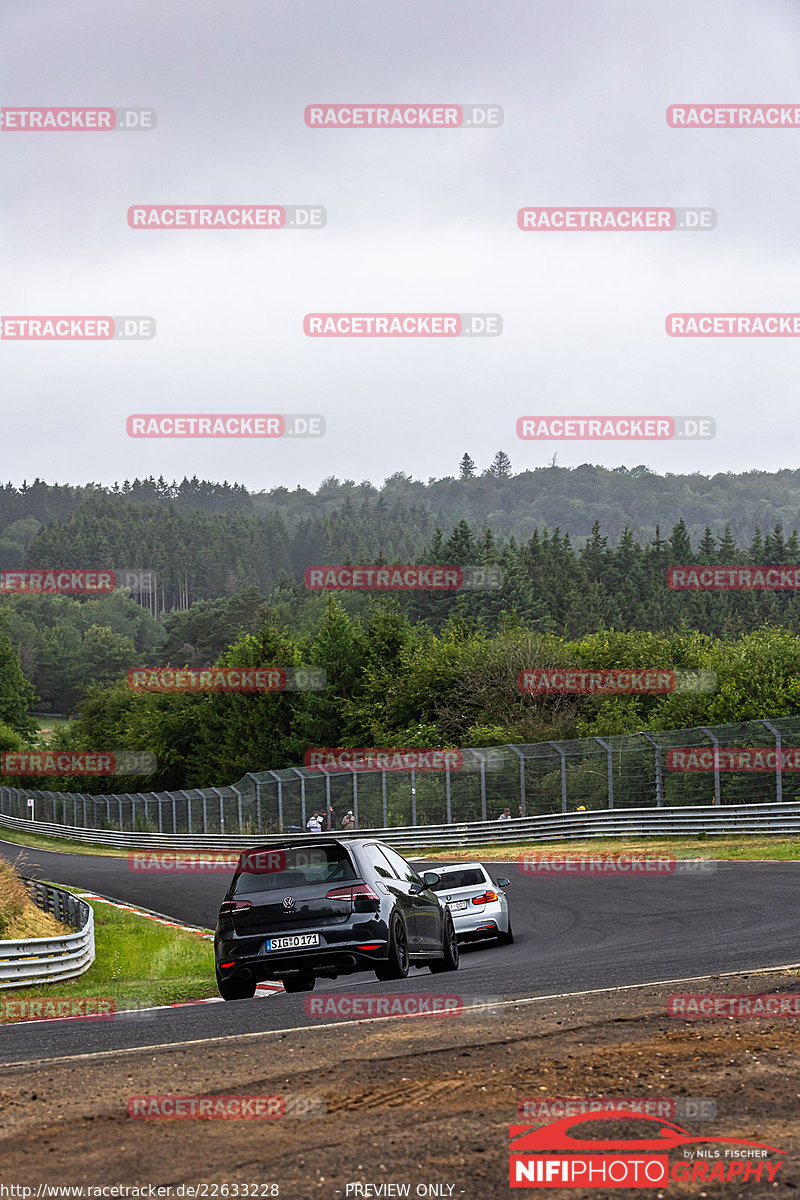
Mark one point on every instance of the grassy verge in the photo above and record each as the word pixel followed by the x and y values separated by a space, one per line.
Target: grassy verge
pixel 754 846
pixel 37 842
pixel 138 962
pixel 743 846
pixel 19 916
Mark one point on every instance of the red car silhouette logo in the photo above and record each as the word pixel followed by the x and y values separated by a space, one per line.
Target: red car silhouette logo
pixel 664 1136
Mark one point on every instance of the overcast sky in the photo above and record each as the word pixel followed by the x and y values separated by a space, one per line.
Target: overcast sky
pixel 417 221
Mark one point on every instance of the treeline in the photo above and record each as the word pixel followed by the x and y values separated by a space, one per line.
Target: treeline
pixel 343 516
pixel 549 585
pixel 395 683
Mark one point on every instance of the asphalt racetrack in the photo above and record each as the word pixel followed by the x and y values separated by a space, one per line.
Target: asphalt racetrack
pixel 573 933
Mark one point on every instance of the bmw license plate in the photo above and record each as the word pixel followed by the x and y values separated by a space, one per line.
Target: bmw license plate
pixel 454 905
pixel 292 941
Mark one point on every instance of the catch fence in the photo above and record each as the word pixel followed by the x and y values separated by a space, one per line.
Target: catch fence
pixel 628 771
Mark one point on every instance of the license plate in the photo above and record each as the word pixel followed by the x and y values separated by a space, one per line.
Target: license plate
pixel 292 941
pixel 454 905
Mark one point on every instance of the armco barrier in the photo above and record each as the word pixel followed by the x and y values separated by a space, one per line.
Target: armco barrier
pixel 684 821
pixel 30 961
pixel 625 772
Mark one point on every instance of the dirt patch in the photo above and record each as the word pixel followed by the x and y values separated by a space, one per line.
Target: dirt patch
pixel 416 1101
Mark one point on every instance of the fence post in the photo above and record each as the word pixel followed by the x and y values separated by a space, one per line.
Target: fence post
pixel 383 798
pixel 355 798
pixel 205 812
pixel 610 766
pixel 715 740
pixel 302 778
pixel 563 774
pixel 778 762
pixel 482 757
pixel 188 800
pixel 447 791
pixel 659 771
pixel 160 812
pixel 275 775
pixel 174 814
pixel 238 805
pixel 413 797
pixel 522 798
pixel 221 810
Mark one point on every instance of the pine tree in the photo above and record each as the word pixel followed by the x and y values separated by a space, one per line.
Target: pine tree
pixel 466 468
pixel 501 465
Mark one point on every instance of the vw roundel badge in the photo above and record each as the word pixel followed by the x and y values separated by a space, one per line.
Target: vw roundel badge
pixel 288 903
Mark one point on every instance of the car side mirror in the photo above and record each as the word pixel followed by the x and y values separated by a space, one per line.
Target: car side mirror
pixel 415 887
pixel 430 879
pixel 503 882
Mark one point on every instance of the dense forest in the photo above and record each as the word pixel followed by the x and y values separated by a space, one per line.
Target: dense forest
pixel 207 540
pixel 414 668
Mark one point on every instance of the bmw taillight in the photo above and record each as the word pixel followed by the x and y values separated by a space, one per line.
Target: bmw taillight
pixel 486 898
pixel 229 908
pixel 358 891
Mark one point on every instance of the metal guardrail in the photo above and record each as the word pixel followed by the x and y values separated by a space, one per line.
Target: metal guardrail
pixel 624 772
pixel 683 821
pixel 30 961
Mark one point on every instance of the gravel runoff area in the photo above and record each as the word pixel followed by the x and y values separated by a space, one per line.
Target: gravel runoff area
pixel 412 1101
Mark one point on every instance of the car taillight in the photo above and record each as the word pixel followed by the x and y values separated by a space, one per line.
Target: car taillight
pixel 229 907
pixel 358 891
pixel 486 898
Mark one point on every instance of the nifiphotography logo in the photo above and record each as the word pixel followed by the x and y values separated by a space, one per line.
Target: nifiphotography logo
pixel 554 1156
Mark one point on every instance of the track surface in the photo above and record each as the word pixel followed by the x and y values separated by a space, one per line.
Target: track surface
pixel 573 933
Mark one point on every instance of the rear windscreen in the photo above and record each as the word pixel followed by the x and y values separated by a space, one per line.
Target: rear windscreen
pixel 457 879
pixel 294 867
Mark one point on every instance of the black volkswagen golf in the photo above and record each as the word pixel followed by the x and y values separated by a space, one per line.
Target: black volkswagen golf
pixel 299 911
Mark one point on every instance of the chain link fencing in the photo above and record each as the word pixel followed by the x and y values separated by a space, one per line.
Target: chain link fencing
pixel 637 770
